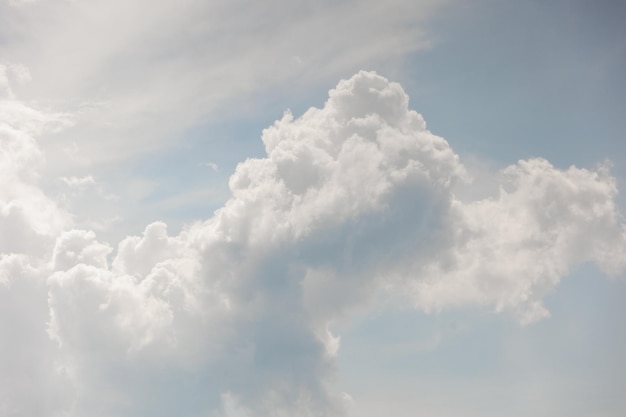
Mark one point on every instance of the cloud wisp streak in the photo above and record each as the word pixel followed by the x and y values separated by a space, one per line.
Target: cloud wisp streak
pixel 120 66
pixel 234 314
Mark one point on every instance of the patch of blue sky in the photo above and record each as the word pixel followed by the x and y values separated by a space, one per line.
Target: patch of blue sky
pixel 470 362
pixel 512 80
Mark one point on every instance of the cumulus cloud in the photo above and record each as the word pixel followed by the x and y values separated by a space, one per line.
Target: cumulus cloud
pixel 233 314
pixel 511 250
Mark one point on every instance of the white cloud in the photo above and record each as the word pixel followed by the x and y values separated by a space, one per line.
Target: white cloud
pixel 213 166
pixel 511 250
pixel 78 181
pixel 171 67
pixel 31 380
pixel 232 315
pixel 191 59
pixel 29 219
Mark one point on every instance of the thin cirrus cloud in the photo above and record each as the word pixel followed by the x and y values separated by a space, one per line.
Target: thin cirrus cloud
pixel 119 66
pixel 233 315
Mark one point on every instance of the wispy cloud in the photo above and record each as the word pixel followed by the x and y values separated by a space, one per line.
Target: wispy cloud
pixel 138 61
pixel 78 181
pixel 212 165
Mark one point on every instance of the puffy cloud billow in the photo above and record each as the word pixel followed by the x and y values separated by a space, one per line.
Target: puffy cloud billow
pixel 233 313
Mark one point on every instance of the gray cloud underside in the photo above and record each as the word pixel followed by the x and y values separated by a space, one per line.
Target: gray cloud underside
pixel 233 314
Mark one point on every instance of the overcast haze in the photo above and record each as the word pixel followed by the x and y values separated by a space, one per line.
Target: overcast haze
pixel 346 209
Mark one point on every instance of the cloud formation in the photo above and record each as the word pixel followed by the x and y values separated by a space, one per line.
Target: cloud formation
pixel 512 249
pixel 30 222
pixel 189 60
pixel 234 313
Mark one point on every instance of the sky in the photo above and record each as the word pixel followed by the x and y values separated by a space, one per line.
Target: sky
pixel 334 208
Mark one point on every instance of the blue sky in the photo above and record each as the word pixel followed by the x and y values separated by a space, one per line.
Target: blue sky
pixel 180 234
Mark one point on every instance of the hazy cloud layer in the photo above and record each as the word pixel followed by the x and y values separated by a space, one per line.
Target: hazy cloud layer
pixel 232 315
pixel 122 65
